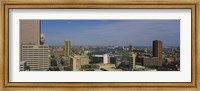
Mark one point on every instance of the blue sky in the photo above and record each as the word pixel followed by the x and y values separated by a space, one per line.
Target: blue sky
pixel 111 32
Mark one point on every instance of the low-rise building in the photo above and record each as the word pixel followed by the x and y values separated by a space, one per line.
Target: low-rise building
pixel 23 66
pixel 105 59
pixel 77 61
pixel 60 52
pixel 151 61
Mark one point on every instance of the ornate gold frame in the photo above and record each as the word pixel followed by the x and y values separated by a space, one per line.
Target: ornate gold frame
pixel 6 5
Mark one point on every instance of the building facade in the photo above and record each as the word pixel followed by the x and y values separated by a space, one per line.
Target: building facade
pixel 36 56
pixel 23 66
pixel 59 52
pixel 157 50
pixel 150 61
pixel 30 32
pixel 97 59
pixel 67 47
pixel 77 61
pixel 106 59
pixel 132 64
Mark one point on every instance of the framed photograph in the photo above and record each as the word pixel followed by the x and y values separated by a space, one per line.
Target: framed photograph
pixel 100 45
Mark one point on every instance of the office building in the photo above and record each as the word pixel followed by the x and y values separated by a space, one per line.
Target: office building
pixel 106 59
pixel 36 56
pixel 67 47
pixel 157 50
pixel 77 61
pixel 29 33
pixel 97 59
pixel 132 61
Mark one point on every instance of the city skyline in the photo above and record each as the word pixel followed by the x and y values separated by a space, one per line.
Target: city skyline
pixel 38 56
pixel 111 32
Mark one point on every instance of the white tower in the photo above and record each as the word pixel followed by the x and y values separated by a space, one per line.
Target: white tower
pixel 106 59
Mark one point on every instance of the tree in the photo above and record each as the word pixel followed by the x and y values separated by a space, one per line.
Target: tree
pixel 56 69
pixel 51 69
pixel 53 62
pixel 85 66
pixel 90 70
pixel 61 61
pixel 95 66
pixel 89 67
pixel 52 56
pixel 67 69
pixel 27 67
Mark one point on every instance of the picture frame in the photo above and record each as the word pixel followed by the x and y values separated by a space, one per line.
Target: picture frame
pixel 6 5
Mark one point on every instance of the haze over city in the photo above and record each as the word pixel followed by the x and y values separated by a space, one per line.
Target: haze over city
pixel 111 32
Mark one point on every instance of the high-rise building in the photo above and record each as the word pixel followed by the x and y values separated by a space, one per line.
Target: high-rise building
pixel 132 61
pixel 67 47
pixel 29 33
pixel 36 56
pixel 157 50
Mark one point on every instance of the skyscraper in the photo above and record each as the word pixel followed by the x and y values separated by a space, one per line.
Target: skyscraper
pixel 157 50
pixel 29 33
pixel 67 45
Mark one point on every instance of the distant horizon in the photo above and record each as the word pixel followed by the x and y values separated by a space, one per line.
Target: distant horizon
pixel 111 32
